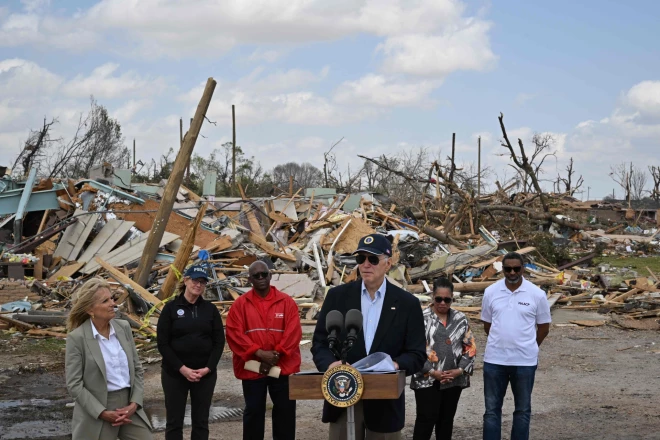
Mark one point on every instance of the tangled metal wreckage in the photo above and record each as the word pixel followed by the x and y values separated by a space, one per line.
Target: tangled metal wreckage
pixel 57 234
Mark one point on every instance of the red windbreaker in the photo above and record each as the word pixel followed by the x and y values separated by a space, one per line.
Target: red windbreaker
pixel 271 323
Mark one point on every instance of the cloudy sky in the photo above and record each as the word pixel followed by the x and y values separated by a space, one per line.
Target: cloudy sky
pixel 387 75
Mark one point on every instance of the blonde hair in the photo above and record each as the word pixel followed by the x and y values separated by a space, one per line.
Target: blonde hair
pixel 83 299
pixel 181 286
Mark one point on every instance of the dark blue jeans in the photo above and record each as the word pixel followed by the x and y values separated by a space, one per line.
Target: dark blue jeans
pixel 496 381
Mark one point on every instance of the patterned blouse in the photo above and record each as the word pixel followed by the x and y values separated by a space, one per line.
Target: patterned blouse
pixel 447 348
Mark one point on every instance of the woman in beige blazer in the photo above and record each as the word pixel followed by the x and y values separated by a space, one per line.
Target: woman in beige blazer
pixel 103 371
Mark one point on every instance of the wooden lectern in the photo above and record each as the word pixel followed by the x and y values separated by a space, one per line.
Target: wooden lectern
pixel 307 386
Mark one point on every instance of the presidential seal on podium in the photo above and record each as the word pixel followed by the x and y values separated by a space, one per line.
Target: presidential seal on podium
pixel 342 386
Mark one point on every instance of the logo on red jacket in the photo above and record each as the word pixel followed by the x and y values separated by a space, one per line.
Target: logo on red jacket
pixel 279 315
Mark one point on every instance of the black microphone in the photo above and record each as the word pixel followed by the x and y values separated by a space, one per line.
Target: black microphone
pixel 334 324
pixel 353 326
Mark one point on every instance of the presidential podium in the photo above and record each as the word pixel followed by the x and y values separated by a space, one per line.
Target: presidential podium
pixel 307 386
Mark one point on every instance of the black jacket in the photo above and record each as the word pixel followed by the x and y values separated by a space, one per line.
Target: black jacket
pixel 400 334
pixel 190 335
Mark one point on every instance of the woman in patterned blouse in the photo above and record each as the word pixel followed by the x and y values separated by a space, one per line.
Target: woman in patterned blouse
pixel 451 351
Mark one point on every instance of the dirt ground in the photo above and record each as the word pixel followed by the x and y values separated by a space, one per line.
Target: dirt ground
pixel 599 383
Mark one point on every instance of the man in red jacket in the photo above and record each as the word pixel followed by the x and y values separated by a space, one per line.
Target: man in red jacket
pixel 264 325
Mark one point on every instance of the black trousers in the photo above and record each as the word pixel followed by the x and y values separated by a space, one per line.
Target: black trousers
pixel 435 409
pixel 284 410
pixel 176 388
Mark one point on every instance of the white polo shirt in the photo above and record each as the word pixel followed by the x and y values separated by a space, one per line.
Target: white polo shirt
pixel 513 317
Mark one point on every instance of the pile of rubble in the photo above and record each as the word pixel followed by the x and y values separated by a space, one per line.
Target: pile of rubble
pixel 66 232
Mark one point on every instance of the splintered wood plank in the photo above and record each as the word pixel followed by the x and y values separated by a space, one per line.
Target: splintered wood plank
pixel 66 271
pixel 127 253
pixel 74 236
pixel 268 248
pixel 120 277
pixel 107 238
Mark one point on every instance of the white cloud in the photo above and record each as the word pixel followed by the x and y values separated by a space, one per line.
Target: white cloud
pixel 269 56
pixel 35 5
pixel 378 90
pixel 584 125
pixel 645 97
pixel 103 83
pixel 425 37
pixel 130 108
pixel 281 80
pixel 466 48
pixel 22 78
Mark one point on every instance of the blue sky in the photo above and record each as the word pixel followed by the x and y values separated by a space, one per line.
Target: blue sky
pixel 389 76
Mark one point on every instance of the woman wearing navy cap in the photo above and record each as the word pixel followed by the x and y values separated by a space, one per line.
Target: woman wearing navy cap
pixel 191 340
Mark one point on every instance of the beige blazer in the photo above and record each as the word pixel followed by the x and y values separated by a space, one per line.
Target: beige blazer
pixel 86 377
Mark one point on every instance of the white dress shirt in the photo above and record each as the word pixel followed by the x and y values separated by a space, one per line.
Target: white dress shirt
pixel 514 317
pixel 371 310
pixel 117 372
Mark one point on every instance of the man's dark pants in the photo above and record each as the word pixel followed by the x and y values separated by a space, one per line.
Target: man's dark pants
pixel 176 389
pixel 284 410
pixel 496 381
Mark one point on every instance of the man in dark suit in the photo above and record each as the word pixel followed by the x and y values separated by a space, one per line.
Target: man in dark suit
pixel 392 324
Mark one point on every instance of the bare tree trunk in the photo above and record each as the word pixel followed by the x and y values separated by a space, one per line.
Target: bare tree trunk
pixel 543 216
pixel 523 164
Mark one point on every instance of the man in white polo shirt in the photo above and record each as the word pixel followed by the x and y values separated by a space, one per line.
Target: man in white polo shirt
pixel 516 318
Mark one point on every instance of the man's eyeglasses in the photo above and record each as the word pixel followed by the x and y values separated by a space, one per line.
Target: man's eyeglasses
pixel 515 269
pixel 440 299
pixel 373 259
pixel 260 275
pixel 200 281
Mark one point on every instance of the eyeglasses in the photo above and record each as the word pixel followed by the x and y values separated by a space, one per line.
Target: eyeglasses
pixel 440 299
pixel 373 259
pixel 200 281
pixel 260 275
pixel 515 269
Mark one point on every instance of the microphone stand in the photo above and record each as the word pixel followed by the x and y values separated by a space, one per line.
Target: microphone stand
pixel 350 411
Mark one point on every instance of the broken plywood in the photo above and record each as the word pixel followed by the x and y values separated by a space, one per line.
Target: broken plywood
pixel 128 252
pixel 113 231
pixel 176 224
pixel 74 236
pixel 295 285
pixel 348 242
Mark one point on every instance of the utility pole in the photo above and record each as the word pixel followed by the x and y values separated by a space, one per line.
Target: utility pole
pixel 588 192
pixel 453 167
pixel 233 150
pixel 172 188
pixel 479 169
pixel 133 154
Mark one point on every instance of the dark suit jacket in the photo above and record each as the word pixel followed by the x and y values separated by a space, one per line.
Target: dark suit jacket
pixel 400 333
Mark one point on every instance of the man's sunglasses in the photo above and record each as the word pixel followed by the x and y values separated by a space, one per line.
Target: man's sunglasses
pixel 373 259
pixel 260 275
pixel 440 299
pixel 515 269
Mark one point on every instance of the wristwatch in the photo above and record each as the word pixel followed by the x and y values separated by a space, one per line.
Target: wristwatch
pixel 462 371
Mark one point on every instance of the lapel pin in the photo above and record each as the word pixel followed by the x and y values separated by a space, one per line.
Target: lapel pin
pixel 393 308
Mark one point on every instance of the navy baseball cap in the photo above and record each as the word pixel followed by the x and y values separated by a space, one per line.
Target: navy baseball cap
pixel 376 244
pixel 196 271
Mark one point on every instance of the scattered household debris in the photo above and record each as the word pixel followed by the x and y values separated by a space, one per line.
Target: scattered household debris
pixel 71 231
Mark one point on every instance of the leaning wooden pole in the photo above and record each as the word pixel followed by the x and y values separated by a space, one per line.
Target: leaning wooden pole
pixel 172 187
pixel 479 171
pixel 182 256
pixel 233 150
